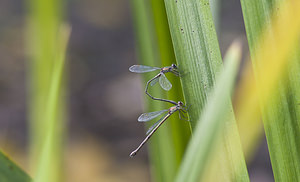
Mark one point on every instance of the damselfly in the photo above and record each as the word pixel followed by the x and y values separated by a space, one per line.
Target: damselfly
pixel 180 107
pixel 163 81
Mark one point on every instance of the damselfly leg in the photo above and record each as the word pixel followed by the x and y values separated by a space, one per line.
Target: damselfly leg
pixel 182 116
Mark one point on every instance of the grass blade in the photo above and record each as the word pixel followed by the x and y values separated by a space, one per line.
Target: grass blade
pixel 198 55
pixel 155 49
pixel 196 49
pixel 215 6
pixel 10 172
pixel 178 130
pixel 48 164
pixel 47 44
pixel 212 119
pixel 275 41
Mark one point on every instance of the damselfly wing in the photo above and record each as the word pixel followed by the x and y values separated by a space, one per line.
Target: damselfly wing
pixel 160 77
pixel 142 68
pixel 155 124
pixel 150 115
pixel 154 81
pixel 164 82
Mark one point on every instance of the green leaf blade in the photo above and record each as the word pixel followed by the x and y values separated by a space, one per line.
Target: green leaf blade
pixel 155 48
pixel 196 50
pixel 179 130
pixel 280 112
pixel 46 78
pixel 199 59
pixel 212 120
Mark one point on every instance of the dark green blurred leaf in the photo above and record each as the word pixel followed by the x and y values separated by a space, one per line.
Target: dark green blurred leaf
pixel 10 172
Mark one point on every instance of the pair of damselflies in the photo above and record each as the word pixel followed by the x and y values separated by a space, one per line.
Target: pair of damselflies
pixel 166 85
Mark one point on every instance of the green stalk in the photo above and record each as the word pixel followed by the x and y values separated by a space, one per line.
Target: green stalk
pixel 179 130
pixel 163 157
pixel 281 114
pixel 198 55
pixel 155 49
pixel 48 162
pixel 47 44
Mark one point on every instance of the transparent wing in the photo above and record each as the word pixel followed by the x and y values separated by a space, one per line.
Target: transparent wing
pixel 154 81
pixel 155 124
pixel 150 115
pixel 164 82
pixel 151 128
pixel 142 68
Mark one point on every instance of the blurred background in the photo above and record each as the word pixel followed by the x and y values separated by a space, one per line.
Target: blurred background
pixel 105 99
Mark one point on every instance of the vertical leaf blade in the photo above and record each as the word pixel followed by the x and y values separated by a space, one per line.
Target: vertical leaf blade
pixel 279 92
pixel 212 120
pixel 199 59
pixel 155 49
pixel 196 49
pixel 49 158
pixel 179 130
pixel 47 94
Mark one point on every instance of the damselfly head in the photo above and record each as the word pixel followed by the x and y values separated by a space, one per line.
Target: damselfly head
pixel 180 103
pixel 174 66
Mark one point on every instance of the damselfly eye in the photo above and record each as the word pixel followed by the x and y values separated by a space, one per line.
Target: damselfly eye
pixel 174 66
pixel 180 103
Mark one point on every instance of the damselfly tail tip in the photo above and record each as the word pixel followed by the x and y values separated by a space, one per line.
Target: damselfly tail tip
pixel 132 154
